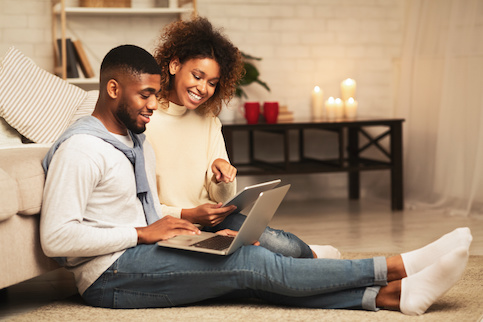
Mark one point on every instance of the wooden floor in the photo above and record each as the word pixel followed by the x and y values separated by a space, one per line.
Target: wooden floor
pixel 351 226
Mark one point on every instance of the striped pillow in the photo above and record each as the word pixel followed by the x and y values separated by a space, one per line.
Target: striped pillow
pixel 87 106
pixel 38 104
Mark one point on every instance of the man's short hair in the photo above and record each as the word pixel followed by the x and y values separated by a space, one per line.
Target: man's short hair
pixel 129 59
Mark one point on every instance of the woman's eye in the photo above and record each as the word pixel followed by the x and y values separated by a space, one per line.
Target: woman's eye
pixel 196 76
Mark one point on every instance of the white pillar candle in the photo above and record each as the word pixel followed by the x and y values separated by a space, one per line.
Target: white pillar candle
pixel 330 108
pixel 350 108
pixel 317 102
pixel 339 108
pixel 348 88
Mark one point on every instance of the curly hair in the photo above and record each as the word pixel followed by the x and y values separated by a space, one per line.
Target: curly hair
pixel 194 39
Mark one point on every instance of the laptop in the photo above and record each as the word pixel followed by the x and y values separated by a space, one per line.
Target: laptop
pixel 248 195
pixel 257 219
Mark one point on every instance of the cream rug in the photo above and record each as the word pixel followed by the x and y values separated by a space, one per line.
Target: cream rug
pixel 464 302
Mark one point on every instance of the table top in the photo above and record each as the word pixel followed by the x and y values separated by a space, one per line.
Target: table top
pixel 316 122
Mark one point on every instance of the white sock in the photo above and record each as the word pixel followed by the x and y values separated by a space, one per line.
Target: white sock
pixel 420 291
pixel 325 251
pixel 418 259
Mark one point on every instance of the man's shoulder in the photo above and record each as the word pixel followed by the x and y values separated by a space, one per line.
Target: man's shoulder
pixel 87 144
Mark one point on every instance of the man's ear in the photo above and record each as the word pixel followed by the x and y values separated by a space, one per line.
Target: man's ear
pixel 112 88
pixel 174 66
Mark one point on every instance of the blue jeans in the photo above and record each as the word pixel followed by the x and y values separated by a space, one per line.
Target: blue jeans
pixel 278 241
pixel 148 276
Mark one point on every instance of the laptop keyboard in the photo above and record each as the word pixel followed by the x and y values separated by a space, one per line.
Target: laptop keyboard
pixel 217 242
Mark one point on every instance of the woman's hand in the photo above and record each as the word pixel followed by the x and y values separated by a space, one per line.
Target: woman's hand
pixel 223 171
pixel 229 232
pixel 207 214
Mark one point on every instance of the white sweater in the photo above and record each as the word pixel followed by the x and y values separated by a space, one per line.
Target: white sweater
pixel 90 208
pixel 186 144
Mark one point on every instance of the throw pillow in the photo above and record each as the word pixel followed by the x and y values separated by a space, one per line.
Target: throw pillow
pixel 87 107
pixel 38 104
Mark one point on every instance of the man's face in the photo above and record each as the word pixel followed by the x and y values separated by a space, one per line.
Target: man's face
pixel 195 81
pixel 138 101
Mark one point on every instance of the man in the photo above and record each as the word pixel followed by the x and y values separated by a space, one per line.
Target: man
pixel 101 220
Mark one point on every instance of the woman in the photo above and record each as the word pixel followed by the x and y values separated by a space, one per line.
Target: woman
pixel 201 69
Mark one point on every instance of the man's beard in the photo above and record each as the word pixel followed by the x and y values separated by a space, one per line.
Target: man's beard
pixel 127 120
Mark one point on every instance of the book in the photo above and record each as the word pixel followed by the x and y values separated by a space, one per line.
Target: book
pixel 72 71
pixel 284 115
pixel 84 63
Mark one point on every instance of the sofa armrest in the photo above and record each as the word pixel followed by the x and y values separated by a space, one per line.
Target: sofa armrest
pixel 23 165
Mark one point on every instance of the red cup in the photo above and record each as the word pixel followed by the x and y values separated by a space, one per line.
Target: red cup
pixel 252 112
pixel 270 112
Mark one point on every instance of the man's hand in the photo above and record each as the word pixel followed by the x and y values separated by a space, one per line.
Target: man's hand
pixel 207 214
pixel 223 171
pixel 165 228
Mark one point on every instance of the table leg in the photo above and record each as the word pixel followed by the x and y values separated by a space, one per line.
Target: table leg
pixel 228 136
pixel 251 148
pixel 397 192
pixel 353 151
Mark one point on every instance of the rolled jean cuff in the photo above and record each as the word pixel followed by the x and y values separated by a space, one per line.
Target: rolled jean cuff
pixel 380 271
pixel 369 298
pixel 380 279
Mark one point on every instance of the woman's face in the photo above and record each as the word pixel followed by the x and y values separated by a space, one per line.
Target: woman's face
pixel 195 81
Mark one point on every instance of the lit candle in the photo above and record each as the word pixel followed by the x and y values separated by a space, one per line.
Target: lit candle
pixel 339 108
pixel 317 102
pixel 348 88
pixel 330 108
pixel 350 108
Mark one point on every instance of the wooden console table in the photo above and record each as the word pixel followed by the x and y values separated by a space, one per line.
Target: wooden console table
pixel 350 149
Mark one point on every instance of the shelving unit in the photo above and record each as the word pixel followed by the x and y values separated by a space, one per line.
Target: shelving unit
pixel 60 12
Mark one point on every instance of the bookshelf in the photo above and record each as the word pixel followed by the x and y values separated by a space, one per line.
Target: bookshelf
pixel 61 12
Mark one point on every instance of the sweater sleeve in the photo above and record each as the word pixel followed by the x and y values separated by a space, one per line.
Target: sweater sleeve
pixel 219 192
pixel 65 229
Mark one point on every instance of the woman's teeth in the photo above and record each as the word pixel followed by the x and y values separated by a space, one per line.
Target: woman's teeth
pixel 194 96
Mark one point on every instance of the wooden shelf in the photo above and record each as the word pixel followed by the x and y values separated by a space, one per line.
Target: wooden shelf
pixel 60 12
pixel 120 11
pixel 83 81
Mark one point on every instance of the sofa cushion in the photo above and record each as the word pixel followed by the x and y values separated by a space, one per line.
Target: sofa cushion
pixel 23 165
pixel 8 135
pixel 8 196
pixel 47 103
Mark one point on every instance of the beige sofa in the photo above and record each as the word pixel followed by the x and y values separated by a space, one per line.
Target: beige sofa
pixel 35 107
pixel 21 186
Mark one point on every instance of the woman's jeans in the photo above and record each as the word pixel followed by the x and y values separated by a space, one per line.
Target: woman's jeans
pixel 153 276
pixel 278 241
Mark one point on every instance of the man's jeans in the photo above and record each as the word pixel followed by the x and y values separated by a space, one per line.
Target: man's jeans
pixel 153 276
pixel 278 241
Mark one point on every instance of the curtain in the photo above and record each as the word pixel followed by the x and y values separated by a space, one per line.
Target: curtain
pixel 440 94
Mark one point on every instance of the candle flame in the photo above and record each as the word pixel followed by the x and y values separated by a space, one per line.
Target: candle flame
pixel 349 81
pixel 317 89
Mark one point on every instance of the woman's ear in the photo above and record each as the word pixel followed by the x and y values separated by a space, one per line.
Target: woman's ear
pixel 174 66
pixel 112 88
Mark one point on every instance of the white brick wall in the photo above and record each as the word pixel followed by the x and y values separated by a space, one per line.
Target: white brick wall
pixel 25 24
pixel 305 43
